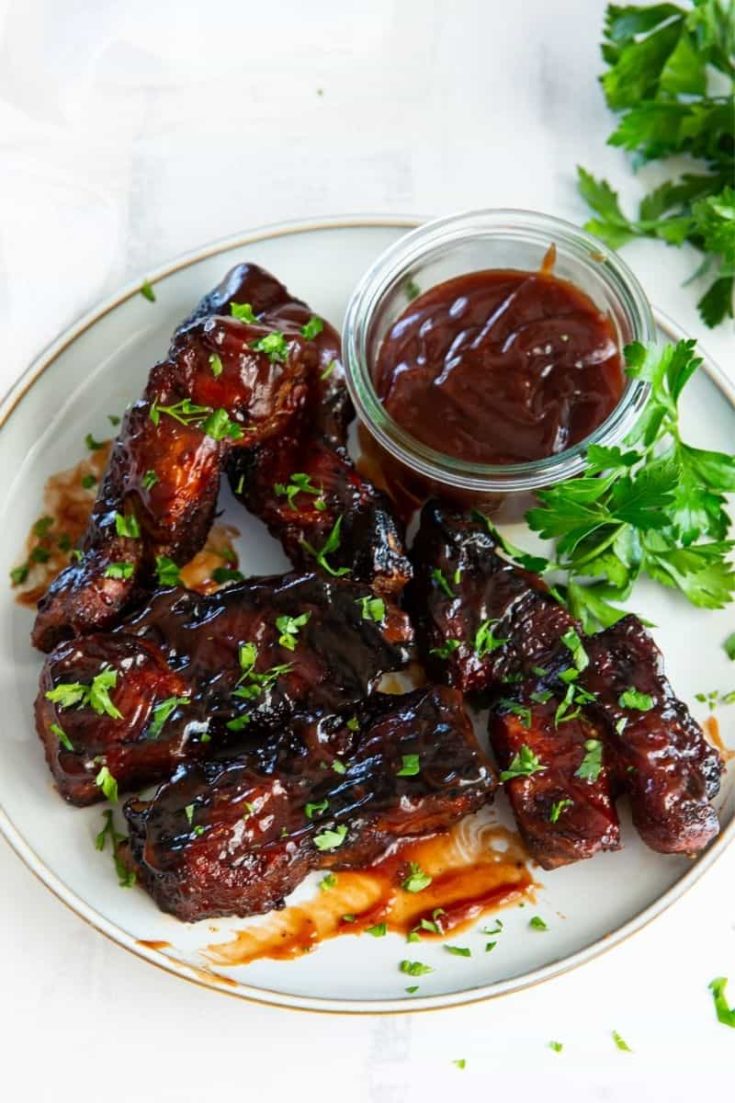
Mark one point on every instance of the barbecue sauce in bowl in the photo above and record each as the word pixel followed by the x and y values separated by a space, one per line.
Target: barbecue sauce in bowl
pixel 501 366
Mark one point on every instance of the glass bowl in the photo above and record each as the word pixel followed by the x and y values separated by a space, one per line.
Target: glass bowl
pixel 453 246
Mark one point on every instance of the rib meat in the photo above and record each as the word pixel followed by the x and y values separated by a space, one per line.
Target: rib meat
pixel 235 837
pixel 486 625
pixel 225 663
pixel 165 466
pixel 659 754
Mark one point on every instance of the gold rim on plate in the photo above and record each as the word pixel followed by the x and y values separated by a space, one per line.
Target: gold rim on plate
pixel 226 985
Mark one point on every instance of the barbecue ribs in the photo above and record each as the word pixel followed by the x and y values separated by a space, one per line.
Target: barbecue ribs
pixel 190 672
pixel 235 836
pixel 565 743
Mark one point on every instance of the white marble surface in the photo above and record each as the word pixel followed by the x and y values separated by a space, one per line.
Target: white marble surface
pixel 130 132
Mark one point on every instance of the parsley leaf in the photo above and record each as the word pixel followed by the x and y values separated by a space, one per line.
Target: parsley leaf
pixel 415 968
pixel 167 572
pixel 632 699
pixel 243 312
pixel 312 328
pixel 590 767
pixel 661 78
pixel 330 545
pixel 330 839
pixel 620 1042
pixel 289 629
pixel 558 807
pixel 147 291
pixel 372 608
pixel 108 784
pixel 96 694
pixel 161 713
pixel 126 877
pixel 300 483
pixel 725 1014
pixel 416 880
pixel 274 345
pixel 524 764
pixel 410 766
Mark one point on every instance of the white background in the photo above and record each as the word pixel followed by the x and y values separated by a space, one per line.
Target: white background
pixel 132 130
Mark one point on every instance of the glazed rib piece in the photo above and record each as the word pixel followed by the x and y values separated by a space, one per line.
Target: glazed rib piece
pixel 230 837
pixel 313 455
pixel 227 384
pixel 192 672
pixel 368 543
pixel 669 770
pixel 517 643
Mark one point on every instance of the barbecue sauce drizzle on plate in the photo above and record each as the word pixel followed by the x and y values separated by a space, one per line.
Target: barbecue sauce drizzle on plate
pixel 476 868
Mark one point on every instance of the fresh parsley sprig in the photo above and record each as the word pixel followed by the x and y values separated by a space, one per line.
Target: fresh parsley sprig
pixel 655 506
pixel 665 63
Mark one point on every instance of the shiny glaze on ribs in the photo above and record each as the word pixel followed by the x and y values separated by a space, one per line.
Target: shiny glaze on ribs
pixel 184 644
pixel 259 393
pixel 232 837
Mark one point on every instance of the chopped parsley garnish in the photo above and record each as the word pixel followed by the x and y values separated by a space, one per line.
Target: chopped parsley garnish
pixel 149 480
pixel 485 639
pixel 189 812
pixel 289 628
pixel 339 767
pixel 238 723
pixel 274 345
pixel 458 951
pixel 580 657
pixel 541 696
pixel 328 881
pixel 331 544
pixel 497 929
pixel 558 807
pixel 412 988
pixel 42 526
pixel 107 783
pixel 198 830
pixel 620 1042
pixel 569 707
pixel 96 694
pixel 372 608
pixel 300 483
pixel 378 930
pixel 411 289
pixel 460 1062
pixel 19 575
pixel 331 838
pixel 537 923
pixel 490 946
pixel 315 808
pixel 88 481
pixel 312 328
pixel 161 713
pixel 715 698
pixel 127 525
pixel 632 699
pixel 446 649
pixel 185 412
pixel 227 574
pixel 590 767
pixel 243 312
pixel 415 968
pixel 63 738
pixel 410 766
pixel 523 712
pixel 40 555
pixel 557 1047
pixel 122 570
pixel 215 363
pixel 167 572
pixel 126 877
pixel 353 724
pixel 147 291
pixel 416 880
pixel 441 581
pixel 220 426
pixel 725 1014
pixel 114 420
pixel 327 371
pixel 729 646
pixel 524 764
pixel 252 683
pixel 92 444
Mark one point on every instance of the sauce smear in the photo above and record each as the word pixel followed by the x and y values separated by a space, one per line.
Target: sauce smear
pixel 476 867
pixel 68 498
pixel 501 366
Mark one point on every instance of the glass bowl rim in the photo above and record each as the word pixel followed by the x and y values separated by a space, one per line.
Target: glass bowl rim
pixel 395 264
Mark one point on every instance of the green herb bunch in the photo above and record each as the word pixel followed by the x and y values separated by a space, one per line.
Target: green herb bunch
pixel 654 507
pixel 670 76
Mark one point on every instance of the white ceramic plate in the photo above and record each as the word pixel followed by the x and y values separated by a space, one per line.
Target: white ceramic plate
pixel 95 369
